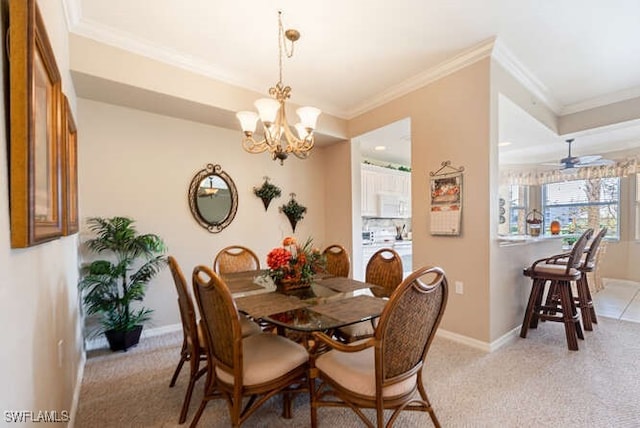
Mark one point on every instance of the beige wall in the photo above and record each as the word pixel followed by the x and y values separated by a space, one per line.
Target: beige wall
pixel 450 121
pixel 38 297
pixel 140 164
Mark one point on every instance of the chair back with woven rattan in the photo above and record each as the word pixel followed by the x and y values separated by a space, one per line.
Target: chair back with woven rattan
pixel 575 256
pixel 419 301
pixel 220 315
pixel 338 262
pixel 593 249
pixel 384 269
pixel 235 258
pixel 185 304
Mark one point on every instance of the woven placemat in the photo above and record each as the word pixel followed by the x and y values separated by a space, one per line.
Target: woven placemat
pixel 342 285
pixel 352 309
pixel 242 282
pixel 261 305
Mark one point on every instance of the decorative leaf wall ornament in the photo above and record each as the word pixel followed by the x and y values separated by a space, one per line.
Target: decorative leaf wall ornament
pixel 294 211
pixel 267 192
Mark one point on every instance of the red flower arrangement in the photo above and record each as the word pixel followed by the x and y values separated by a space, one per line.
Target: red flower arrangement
pixel 294 264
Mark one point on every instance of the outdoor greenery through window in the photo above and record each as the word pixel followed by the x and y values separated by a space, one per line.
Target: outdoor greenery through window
pixel 582 204
pixel 518 203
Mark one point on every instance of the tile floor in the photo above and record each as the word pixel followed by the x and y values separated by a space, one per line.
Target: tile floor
pixel 620 299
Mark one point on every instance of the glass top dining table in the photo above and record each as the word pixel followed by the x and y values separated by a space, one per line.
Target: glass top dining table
pixel 328 303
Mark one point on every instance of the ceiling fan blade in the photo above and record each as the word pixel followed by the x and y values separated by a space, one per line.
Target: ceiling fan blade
pixel 589 159
pixel 598 162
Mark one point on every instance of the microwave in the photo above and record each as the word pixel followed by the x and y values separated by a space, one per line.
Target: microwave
pixel 392 205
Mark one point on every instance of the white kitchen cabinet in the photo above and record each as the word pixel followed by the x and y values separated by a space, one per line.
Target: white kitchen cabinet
pixel 378 181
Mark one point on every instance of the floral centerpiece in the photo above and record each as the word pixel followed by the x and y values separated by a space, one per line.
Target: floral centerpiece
pixel 292 265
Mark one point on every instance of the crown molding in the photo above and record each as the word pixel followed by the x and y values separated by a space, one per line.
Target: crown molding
pixel 458 62
pixel 514 67
pixel 129 42
pixel 72 12
pixel 604 100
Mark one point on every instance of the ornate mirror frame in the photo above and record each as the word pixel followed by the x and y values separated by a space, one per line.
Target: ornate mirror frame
pixel 209 170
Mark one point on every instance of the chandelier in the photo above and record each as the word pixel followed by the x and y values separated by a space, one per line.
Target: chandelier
pixel 279 139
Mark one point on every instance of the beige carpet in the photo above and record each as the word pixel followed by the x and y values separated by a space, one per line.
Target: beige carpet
pixel 532 382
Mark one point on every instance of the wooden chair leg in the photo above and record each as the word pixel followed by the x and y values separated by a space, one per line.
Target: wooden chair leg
pixel 537 308
pixel 184 356
pixel 174 378
pixel 592 309
pixel 568 319
pixel 531 306
pixel 583 302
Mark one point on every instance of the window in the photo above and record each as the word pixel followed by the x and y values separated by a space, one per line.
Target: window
pixel 518 202
pixel 582 204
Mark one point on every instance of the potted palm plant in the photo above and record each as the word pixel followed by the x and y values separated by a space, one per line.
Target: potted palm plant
pixel 112 286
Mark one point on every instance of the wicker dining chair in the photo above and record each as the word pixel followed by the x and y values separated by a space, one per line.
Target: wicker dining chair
pixel 384 372
pixel 193 343
pixel 338 261
pixel 258 366
pixel 235 258
pixel 384 269
pixel 193 340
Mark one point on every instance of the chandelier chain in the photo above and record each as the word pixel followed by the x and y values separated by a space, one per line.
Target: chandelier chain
pixel 282 44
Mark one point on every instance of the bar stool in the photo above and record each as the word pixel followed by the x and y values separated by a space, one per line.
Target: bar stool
pixel 559 277
pixel 583 299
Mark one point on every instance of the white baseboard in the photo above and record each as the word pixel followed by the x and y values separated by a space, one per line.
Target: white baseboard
pixel 478 344
pixel 76 390
pixel 101 342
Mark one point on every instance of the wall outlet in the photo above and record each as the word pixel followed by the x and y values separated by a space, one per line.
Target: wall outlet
pixel 459 287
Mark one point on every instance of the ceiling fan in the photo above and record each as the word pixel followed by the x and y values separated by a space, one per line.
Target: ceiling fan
pixel 571 162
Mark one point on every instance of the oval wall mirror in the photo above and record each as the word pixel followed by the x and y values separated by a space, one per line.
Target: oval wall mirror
pixel 213 198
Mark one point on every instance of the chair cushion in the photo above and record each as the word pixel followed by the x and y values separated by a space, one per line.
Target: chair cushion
pixel 267 357
pixel 249 327
pixel 357 330
pixel 355 371
pixel 556 270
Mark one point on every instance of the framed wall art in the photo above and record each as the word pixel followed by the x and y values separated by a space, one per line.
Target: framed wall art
pixel 69 170
pixel 35 129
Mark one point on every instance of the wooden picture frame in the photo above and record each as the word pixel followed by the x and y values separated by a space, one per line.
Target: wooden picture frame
pixel 35 129
pixel 69 170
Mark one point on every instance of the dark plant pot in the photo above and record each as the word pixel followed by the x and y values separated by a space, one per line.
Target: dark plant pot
pixel 266 202
pixel 122 340
pixel 292 221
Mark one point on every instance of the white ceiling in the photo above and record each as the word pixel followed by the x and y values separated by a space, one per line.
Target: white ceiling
pixel 352 54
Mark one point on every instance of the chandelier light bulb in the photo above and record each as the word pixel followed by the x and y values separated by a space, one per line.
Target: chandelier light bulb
pixel 248 120
pixel 267 109
pixel 308 116
pixel 302 131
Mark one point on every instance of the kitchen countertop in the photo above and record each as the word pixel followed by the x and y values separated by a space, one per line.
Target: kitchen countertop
pixel 403 243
